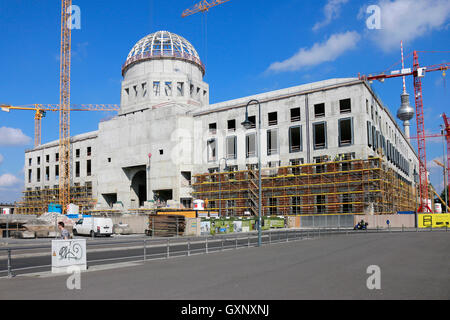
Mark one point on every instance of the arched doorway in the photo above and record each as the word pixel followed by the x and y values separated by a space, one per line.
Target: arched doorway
pixel 139 186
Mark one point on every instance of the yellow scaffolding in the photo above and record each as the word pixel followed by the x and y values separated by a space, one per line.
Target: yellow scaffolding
pixel 328 187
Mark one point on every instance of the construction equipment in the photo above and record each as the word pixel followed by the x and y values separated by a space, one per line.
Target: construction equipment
pixel 41 110
pixel 418 73
pixel 439 197
pixel 64 105
pixel 202 6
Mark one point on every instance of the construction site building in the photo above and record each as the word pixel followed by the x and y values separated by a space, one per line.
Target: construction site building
pixel 166 135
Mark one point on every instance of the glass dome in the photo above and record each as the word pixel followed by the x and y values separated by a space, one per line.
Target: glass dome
pixel 163 44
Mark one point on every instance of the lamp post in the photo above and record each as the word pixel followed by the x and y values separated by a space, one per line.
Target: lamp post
pixel 220 188
pixel 247 125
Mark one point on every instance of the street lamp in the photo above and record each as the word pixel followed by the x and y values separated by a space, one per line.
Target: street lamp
pixel 247 125
pixel 220 189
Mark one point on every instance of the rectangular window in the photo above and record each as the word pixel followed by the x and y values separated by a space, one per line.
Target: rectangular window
pixel 77 169
pixel 345 105
pixel 295 203
pixel 38 160
pixel 231 147
pixel 187 180
pixel 56 157
pixel 295 114
pixel 29 162
pixel 191 90
pixel 295 139
pixel 57 172
pixel 30 174
pixel 369 134
pixel 347 207
pixel 273 204
pixel 47 173
pixel 88 168
pixel 77 153
pixel 89 151
pixel 320 168
pixel 38 176
pixel 272 142
pixel 374 138
pixel 320 135
pixel 252 120
pixel 232 125
pixel 296 162
pixel 319 110
pixel 320 201
pixel 144 89
pixel 156 89
pixel 180 89
pixel 345 132
pixel 250 145
pixel 47 158
pixel 168 89
pixel 273 119
pixel 213 128
pixel 211 146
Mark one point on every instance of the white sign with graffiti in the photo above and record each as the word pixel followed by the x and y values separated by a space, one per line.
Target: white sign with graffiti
pixel 67 253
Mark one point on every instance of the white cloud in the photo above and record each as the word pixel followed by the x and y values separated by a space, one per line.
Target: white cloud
pixel 8 180
pixel 332 11
pixel 326 51
pixel 13 137
pixel 408 20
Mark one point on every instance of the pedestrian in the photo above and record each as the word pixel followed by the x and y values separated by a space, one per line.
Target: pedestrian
pixel 65 235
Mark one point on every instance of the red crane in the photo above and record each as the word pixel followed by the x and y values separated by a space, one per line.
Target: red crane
pixel 447 137
pixel 418 73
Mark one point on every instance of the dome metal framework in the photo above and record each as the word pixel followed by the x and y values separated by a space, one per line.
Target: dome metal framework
pixel 163 44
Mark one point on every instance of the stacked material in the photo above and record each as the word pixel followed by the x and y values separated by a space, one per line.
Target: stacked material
pixel 46 225
pixel 166 225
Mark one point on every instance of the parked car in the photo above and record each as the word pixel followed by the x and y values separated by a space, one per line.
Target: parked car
pixel 93 227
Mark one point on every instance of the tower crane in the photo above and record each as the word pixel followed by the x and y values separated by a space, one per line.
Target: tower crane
pixel 41 110
pixel 202 6
pixel 64 105
pixel 418 73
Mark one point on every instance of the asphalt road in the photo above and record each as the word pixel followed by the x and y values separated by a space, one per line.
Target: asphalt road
pixel 106 251
pixel 413 266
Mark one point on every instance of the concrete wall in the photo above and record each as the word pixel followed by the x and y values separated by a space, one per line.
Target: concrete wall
pixel 138 223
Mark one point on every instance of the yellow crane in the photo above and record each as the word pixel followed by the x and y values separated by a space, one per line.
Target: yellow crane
pixel 202 6
pixel 40 111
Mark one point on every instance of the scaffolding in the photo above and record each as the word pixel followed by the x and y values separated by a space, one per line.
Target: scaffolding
pixel 329 187
pixel 37 201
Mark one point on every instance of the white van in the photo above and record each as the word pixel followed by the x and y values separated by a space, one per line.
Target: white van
pixel 93 227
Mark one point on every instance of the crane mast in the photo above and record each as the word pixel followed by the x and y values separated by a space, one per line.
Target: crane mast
pixel 64 101
pixel 421 141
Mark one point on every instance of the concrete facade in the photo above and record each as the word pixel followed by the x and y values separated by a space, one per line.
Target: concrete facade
pixel 166 131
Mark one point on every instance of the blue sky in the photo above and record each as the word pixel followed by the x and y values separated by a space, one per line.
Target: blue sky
pixel 248 46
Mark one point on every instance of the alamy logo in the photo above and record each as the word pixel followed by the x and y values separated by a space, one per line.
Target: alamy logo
pixel 74 20
pixel 374 20
pixel 74 280
pixel 374 281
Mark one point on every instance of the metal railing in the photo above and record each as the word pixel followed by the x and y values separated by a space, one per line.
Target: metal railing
pixel 164 248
